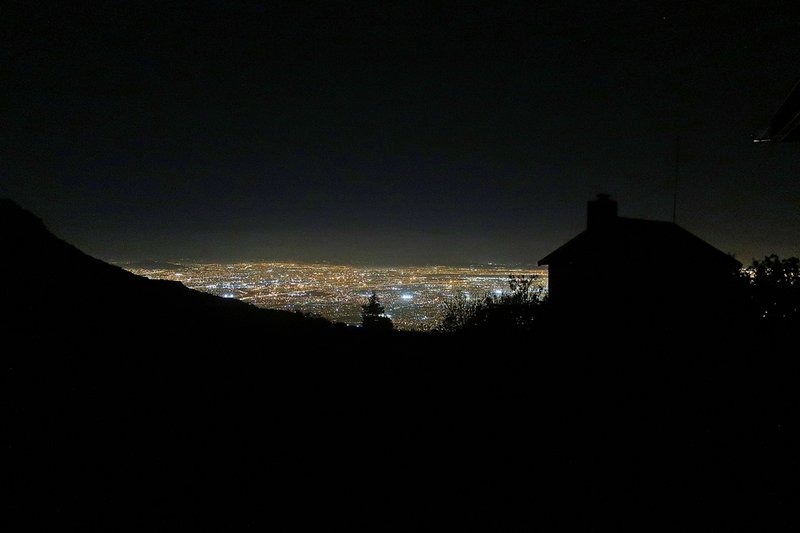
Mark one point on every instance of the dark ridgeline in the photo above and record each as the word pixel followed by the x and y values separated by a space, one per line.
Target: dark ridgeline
pixel 133 404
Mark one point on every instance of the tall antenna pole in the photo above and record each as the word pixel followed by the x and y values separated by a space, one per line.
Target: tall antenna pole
pixel 677 173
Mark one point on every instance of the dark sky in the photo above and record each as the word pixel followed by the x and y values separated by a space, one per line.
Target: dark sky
pixel 394 132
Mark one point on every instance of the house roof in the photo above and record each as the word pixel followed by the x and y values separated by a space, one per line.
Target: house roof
pixel 785 124
pixel 637 240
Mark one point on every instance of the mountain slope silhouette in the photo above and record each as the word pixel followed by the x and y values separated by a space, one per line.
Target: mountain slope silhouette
pixel 52 284
pixel 139 405
pixel 129 400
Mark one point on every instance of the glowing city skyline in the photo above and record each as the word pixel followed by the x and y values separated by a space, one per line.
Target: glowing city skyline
pixel 413 296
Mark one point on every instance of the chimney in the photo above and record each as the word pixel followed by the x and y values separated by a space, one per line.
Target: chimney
pixel 601 212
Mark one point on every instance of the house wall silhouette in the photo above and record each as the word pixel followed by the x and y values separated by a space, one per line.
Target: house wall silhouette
pixel 638 268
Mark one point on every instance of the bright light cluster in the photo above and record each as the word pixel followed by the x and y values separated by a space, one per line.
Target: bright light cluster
pixel 413 296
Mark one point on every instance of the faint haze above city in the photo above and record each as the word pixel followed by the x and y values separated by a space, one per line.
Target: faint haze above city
pixel 395 133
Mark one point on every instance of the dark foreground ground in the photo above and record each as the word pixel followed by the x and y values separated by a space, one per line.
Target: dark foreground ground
pixel 175 410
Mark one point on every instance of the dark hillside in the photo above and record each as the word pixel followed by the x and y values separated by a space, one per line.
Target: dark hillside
pixel 133 404
pixel 48 284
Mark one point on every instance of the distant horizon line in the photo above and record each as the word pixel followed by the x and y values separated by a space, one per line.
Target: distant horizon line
pixel 359 264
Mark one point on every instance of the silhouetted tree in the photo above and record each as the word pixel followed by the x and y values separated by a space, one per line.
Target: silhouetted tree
pixel 523 291
pixel 461 312
pixel 775 288
pixel 373 315
pixel 515 310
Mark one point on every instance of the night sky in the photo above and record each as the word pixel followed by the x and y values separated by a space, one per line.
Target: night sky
pixel 394 133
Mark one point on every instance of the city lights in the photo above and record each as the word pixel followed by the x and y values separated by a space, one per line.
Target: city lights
pixel 413 296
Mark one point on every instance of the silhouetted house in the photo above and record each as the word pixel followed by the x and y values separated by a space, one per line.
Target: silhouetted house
pixel 785 124
pixel 640 268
